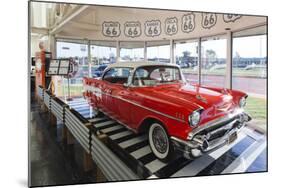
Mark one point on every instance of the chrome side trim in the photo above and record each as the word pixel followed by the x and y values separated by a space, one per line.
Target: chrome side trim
pixel 155 111
pixel 136 104
pixel 213 123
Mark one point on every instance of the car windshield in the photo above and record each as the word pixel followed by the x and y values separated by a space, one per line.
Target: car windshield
pixel 156 75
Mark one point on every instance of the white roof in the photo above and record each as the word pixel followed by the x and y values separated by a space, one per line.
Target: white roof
pixel 136 64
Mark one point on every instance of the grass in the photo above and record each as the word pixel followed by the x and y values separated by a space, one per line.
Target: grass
pixel 236 72
pixel 257 109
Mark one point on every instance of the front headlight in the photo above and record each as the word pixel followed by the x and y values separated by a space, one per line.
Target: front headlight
pixel 194 118
pixel 242 102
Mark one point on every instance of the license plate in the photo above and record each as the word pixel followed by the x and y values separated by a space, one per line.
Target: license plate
pixel 232 137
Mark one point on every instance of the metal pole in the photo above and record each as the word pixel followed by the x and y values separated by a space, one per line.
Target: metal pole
pixel 172 54
pixel 68 89
pixel 89 59
pixel 145 50
pixel 228 80
pixel 199 60
pixel 117 51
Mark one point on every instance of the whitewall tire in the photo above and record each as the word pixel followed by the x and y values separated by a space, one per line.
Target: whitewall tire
pixel 159 142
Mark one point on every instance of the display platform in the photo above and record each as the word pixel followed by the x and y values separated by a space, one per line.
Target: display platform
pixel 246 154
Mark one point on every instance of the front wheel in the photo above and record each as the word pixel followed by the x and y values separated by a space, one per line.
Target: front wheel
pixel 160 143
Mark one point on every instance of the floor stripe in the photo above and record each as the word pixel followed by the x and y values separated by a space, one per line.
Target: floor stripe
pixel 110 129
pixel 95 120
pixel 173 167
pixel 79 105
pixel 133 141
pixel 155 165
pixel 152 177
pixel 260 164
pixel 75 101
pixel 242 163
pixel 252 133
pixel 84 112
pixel 147 158
pixel 202 162
pixel 141 152
pixel 88 116
pixel 100 125
pixel 83 109
pixel 120 135
pixel 227 158
pixel 137 146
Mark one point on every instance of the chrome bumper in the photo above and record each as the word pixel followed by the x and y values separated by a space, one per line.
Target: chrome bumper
pixel 212 134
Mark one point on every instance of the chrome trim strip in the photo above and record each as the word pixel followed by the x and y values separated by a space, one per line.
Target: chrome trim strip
pixel 160 113
pixel 213 123
pixel 184 142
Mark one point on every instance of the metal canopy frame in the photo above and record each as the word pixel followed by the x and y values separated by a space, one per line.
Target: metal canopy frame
pixel 228 34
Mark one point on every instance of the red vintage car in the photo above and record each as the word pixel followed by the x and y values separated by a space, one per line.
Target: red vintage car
pixel 157 99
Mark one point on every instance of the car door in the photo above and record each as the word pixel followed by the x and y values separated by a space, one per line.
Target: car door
pixel 106 88
pixel 115 105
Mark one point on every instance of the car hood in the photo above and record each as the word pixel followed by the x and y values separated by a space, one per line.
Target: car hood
pixel 191 97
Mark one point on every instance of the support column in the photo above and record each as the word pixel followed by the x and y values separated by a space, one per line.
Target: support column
pixel 89 59
pixel 52 45
pixel 199 61
pixel 172 53
pixel 228 78
pixel 145 50
pixel 118 51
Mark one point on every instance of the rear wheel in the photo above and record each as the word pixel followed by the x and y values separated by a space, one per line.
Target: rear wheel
pixel 160 143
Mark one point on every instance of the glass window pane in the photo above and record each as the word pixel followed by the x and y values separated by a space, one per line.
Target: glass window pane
pixel 131 51
pixel 213 67
pixel 101 56
pixel 158 51
pixel 117 75
pixel 249 65
pixel 79 52
pixel 186 55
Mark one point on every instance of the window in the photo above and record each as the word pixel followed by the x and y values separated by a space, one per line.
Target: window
pixel 158 51
pixel 131 51
pixel 79 52
pixel 103 53
pixel 186 56
pixel 249 64
pixel 213 62
pixel 156 75
pixel 117 75
pixel 249 71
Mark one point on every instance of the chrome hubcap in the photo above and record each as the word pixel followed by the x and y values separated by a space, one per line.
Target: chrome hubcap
pixel 159 140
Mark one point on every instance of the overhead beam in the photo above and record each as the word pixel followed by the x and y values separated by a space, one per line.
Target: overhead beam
pixel 67 19
pixel 85 26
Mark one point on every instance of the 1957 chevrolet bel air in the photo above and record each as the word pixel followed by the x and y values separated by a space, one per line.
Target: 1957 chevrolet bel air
pixel 178 116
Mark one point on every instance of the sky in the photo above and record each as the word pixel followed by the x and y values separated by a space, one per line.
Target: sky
pixel 254 46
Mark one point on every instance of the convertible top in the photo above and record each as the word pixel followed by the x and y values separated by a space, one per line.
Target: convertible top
pixel 136 64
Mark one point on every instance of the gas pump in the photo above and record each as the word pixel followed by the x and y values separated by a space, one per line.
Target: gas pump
pixel 42 62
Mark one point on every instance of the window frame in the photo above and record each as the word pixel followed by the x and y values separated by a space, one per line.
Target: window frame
pixel 170 66
pixel 108 69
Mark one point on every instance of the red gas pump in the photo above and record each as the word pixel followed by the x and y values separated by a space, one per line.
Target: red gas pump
pixel 42 62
